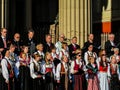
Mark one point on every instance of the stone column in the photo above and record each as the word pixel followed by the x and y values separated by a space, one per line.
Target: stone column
pixel 28 13
pixel 75 19
pixel 4 13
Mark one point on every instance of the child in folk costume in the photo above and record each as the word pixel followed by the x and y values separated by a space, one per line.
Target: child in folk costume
pixel 36 74
pixel 92 69
pixel 39 48
pixel 115 74
pixel 49 71
pixel 89 53
pixel 7 72
pixel 24 72
pixel 54 54
pixel 78 74
pixel 116 54
pixel 62 74
pixel 15 62
pixel 104 73
pixel 64 50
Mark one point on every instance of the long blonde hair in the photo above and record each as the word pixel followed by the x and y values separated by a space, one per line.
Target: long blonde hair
pixel 46 54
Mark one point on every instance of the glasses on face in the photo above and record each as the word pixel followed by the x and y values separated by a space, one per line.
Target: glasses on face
pixel 79 55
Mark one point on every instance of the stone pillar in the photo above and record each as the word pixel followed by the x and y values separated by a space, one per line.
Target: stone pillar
pixel 28 14
pixel 4 13
pixel 75 19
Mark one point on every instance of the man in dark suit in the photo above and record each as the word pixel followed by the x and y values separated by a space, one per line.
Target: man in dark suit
pixel 73 47
pixel 90 41
pixel 48 45
pixel 110 45
pixel 30 42
pixel 18 43
pixel 3 39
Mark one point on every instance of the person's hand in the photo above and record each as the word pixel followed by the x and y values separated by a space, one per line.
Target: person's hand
pixel 112 49
pixel 58 81
pixel 75 71
pixel 70 81
pixel 39 76
pixel 7 81
pixel 1 49
pixel 73 52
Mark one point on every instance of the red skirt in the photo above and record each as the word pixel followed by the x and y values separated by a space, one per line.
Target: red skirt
pixel 93 84
pixel 79 82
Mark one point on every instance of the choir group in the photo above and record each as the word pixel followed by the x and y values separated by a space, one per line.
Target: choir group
pixel 27 65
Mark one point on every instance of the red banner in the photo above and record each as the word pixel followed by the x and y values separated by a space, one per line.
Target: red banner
pixel 106 27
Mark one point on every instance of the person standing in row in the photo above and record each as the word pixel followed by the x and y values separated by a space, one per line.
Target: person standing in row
pixel 48 45
pixel 7 72
pixel 18 43
pixel 78 73
pixel 3 39
pixel 49 71
pixel 73 47
pixel 62 74
pixel 30 42
pixel 35 73
pixel 92 70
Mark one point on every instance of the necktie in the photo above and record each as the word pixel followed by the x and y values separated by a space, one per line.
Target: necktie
pixel 5 44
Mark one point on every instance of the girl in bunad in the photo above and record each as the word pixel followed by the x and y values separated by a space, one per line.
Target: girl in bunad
pixel 92 69
pixel 7 72
pixel 54 54
pixel 62 74
pixel 78 74
pixel 24 72
pixel 14 59
pixel 116 54
pixel 36 74
pixel 89 53
pixel 104 73
pixel 49 71
pixel 64 50
pixel 39 48
pixel 115 75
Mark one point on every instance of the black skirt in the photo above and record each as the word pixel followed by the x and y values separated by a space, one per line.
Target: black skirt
pixel 49 81
pixel 114 82
pixel 24 78
pixel 37 84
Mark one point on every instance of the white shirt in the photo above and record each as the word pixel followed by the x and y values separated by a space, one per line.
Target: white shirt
pixel 4 65
pixel 44 68
pixel 112 43
pixel 41 53
pixel 77 62
pixel 32 72
pixel 63 52
pixel 58 46
pixel 58 70
pixel 54 55
pixel 90 54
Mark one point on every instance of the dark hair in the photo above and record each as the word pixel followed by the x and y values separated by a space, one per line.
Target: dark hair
pixel 4 52
pixel 30 30
pixel 101 62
